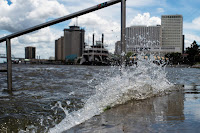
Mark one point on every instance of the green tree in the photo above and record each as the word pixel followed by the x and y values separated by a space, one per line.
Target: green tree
pixel 174 58
pixel 129 54
pixel 193 53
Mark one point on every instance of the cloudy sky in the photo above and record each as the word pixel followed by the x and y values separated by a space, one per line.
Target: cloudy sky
pixel 16 15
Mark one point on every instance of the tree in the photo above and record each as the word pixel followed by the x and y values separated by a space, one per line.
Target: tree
pixel 193 53
pixel 129 54
pixel 174 58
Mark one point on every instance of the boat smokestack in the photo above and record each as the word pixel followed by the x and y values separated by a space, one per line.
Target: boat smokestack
pixel 102 38
pixel 93 39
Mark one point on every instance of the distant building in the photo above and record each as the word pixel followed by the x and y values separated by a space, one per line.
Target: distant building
pixel 172 33
pixel 96 55
pixel 118 48
pixel 30 52
pixel 139 38
pixel 74 39
pixel 51 58
pixel 71 45
pixel 165 38
pixel 59 49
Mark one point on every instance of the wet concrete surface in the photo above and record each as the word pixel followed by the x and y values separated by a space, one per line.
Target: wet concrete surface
pixel 157 114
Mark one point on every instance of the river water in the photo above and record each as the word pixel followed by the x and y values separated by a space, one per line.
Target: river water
pixel 143 98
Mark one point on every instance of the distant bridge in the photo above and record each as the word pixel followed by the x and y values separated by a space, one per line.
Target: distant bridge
pixel 4 56
pixel 12 56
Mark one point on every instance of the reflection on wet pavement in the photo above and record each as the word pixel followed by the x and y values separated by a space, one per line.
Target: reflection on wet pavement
pixel 177 112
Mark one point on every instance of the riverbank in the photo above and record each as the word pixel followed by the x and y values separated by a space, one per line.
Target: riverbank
pixel 196 66
pixel 184 66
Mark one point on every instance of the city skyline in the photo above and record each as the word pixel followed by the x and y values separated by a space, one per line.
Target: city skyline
pixel 17 15
pixel 165 38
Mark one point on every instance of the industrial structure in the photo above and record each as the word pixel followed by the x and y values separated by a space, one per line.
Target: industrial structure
pixel 30 52
pixel 59 49
pixel 74 39
pixel 70 45
pixel 52 22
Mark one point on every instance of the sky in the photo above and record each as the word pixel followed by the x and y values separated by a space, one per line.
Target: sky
pixel 16 15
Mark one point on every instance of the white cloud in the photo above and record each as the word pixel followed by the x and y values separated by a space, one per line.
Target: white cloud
pixel 194 25
pixel 98 25
pixel 189 29
pixel 23 14
pixel 45 35
pixel 189 38
pixel 2 48
pixel 160 10
pixel 43 40
pixel 139 3
pixel 145 19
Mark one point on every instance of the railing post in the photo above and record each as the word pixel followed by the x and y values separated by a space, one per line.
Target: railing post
pixel 9 65
pixel 123 27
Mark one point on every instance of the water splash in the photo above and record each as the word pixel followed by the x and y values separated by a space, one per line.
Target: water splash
pixel 137 82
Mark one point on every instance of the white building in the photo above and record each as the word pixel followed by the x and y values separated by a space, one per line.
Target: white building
pixel 172 33
pixel 165 38
pixel 140 38
pixel 118 48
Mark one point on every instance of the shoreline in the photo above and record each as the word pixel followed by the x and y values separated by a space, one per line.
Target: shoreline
pixel 174 66
pixel 196 66
pixel 184 66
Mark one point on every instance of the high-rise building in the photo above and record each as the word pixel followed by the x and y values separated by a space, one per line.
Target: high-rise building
pixel 139 38
pixel 172 33
pixel 71 45
pixel 30 52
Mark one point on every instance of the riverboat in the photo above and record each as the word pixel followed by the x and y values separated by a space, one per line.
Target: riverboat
pixel 95 55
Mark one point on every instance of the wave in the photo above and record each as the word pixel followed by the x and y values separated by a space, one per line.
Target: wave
pixel 137 82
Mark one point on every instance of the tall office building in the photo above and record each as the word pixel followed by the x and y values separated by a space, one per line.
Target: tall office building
pixel 139 38
pixel 30 52
pixel 172 33
pixel 71 45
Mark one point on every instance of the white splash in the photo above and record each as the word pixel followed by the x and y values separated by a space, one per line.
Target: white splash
pixel 137 82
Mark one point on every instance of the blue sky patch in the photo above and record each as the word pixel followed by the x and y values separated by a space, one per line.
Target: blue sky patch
pixel 9 2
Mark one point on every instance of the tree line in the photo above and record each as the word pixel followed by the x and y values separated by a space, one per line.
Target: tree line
pixel 190 57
